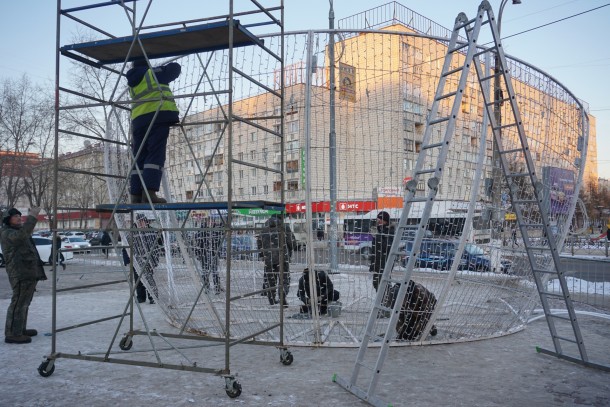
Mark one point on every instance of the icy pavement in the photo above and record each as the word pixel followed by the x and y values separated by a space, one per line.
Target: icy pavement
pixel 504 371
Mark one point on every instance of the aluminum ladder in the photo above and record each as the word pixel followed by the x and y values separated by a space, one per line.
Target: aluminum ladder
pixel 429 168
pixel 527 196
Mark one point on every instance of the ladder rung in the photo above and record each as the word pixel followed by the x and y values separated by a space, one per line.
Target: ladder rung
pixel 498 101
pixel 504 126
pixel 486 78
pixel 518 175
pixel 384 308
pixel 442 119
pixel 459 27
pixel 559 317
pixel 485 50
pixel 362 364
pixel 563 338
pixel 459 47
pixel 539 248
pixel 420 199
pixel 445 96
pixel 514 150
pixel 550 294
pixel 428 171
pixel 544 271
pixel 526 201
pixel 451 72
pixel 435 145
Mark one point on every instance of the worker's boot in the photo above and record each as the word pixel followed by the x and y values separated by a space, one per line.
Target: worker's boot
pixel 153 197
pixel 136 199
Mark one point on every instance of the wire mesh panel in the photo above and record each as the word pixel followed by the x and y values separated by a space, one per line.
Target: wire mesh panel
pixel 385 85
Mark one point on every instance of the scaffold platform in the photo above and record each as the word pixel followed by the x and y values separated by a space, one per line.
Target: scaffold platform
pixel 163 44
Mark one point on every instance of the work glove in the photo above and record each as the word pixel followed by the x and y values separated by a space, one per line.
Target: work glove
pixel 34 211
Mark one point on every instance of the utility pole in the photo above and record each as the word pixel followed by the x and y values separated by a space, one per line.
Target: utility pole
pixel 496 171
pixel 332 144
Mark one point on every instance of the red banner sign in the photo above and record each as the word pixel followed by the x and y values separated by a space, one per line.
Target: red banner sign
pixel 324 206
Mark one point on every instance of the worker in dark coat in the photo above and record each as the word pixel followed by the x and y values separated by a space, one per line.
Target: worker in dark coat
pixel 325 291
pixel 208 242
pixel 382 242
pixel 269 246
pixel 146 84
pixel 145 247
pixel 24 269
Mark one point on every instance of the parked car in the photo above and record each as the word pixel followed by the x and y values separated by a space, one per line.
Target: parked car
pixel 75 234
pixel 242 247
pixel 439 254
pixel 78 243
pixel 45 249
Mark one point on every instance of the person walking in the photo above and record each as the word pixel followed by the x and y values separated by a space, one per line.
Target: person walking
pixel 24 269
pixel 58 254
pixel 208 241
pixel 153 111
pixel 514 236
pixel 382 242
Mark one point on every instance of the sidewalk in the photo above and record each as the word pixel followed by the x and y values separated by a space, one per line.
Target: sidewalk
pixel 504 371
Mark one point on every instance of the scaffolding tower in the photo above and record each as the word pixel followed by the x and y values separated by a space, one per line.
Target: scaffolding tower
pixel 99 114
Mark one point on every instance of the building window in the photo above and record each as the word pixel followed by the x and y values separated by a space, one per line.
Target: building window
pixel 293 185
pixel 409 145
pixel 240 156
pixel 219 159
pixel 252 155
pixel 189 195
pixel 208 162
pixel 293 127
pixel 277 186
pixel 253 136
pixel 292 166
pixel 253 172
pixel 417 146
pixel 265 189
pixel 240 192
pixel 241 174
pixel 265 153
pixel 253 190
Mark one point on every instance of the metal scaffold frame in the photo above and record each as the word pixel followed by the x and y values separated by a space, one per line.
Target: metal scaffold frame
pixel 112 54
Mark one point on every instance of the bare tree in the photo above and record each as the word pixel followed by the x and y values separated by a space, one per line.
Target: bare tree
pixel 26 123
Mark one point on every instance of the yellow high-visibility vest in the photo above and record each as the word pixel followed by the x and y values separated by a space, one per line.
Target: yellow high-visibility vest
pixel 147 90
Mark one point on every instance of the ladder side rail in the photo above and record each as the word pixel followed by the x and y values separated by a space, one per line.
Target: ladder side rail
pixel 550 240
pixel 537 190
pixel 410 193
pixel 432 191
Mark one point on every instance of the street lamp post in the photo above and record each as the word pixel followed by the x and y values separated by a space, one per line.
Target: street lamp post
pixel 496 173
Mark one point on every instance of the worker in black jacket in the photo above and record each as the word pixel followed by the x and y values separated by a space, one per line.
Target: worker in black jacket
pixel 382 242
pixel 325 291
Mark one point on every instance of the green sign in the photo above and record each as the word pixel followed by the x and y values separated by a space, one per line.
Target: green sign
pixel 257 212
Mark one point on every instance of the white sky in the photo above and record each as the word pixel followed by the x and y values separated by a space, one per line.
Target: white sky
pixel 573 51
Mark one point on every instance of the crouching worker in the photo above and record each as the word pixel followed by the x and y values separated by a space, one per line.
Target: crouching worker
pixel 324 291
pixel 416 311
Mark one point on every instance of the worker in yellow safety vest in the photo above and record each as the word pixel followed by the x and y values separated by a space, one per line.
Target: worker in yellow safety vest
pixel 153 111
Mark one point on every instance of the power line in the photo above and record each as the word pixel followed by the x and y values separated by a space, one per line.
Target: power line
pixel 557 21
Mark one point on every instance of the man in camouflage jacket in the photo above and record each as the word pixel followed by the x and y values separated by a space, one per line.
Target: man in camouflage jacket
pixel 24 269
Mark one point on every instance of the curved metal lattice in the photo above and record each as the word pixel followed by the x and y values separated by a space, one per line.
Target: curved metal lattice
pixel 386 82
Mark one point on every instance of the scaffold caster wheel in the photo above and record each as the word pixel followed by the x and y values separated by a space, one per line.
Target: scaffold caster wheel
pixel 233 389
pixel 286 357
pixel 126 343
pixel 46 368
